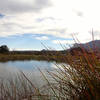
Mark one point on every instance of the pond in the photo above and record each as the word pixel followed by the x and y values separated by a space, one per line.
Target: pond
pixel 29 67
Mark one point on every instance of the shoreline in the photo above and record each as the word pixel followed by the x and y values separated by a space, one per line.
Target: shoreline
pixel 22 57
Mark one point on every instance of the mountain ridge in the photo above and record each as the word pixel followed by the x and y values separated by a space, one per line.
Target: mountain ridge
pixel 89 45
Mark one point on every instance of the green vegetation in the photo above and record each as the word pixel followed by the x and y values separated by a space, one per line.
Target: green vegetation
pixel 31 55
pixel 14 57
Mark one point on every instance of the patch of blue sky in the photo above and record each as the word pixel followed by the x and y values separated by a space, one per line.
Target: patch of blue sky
pixel 1 15
pixel 29 41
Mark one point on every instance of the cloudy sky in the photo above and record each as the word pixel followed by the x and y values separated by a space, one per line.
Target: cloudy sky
pixel 25 24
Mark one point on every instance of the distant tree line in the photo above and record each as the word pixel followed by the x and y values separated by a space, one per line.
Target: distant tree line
pixel 4 49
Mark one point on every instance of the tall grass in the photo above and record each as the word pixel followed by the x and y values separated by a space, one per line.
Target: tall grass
pixel 80 80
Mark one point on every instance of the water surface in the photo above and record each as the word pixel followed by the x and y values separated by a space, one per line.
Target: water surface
pixel 30 68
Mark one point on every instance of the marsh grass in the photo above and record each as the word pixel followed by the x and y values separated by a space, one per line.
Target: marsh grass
pixel 80 81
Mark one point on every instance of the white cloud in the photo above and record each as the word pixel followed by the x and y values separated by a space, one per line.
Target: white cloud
pixel 22 49
pixel 64 18
pixel 20 6
pixel 42 38
pixel 63 42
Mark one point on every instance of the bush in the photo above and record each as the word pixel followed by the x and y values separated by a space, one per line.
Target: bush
pixel 4 49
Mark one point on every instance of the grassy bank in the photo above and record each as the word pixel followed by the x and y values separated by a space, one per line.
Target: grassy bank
pixel 14 57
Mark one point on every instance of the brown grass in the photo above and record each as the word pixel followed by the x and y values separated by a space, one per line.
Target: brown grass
pixel 80 80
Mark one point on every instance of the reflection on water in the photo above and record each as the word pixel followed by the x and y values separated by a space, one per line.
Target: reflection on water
pixel 33 65
pixel 30 68
pixel 11 69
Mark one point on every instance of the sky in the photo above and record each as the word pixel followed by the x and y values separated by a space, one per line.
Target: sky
pixel 34 24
